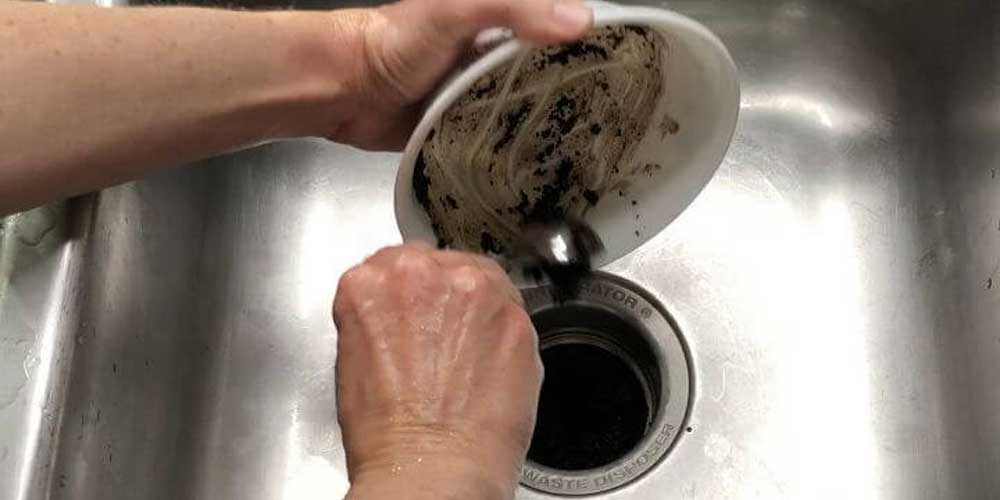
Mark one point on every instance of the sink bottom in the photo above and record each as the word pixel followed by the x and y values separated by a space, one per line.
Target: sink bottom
pixel 837 286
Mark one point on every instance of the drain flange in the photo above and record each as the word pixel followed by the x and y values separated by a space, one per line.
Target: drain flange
pixel 616 388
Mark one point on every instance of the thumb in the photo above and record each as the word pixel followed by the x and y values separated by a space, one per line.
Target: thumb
pixel 539 21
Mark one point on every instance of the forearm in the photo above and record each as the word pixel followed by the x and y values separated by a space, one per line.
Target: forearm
pixel 90 97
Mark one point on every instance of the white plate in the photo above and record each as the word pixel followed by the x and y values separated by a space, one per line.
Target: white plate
pixel 700 91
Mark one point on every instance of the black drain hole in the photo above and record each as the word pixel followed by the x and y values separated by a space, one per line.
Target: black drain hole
pixel 592 409
pixel 600 391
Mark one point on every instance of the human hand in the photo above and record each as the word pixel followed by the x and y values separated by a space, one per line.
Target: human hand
pixel 407 47
pixel 438 376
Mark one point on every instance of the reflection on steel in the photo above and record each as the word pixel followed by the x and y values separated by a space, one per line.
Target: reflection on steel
pixel 838 285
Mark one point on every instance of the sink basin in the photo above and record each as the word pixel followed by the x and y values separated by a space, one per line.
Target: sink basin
pixel 837 288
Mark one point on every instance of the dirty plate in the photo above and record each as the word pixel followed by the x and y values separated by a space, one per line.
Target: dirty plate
pixel 622 129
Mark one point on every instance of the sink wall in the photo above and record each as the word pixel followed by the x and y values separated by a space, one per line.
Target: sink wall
pixel 838 283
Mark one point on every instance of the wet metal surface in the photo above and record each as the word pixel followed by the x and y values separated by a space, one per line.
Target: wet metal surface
pixel 838 284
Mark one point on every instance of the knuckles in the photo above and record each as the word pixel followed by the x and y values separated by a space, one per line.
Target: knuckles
pixel 413 271
pixel 412 263
pixel 470 282
pixel 355 287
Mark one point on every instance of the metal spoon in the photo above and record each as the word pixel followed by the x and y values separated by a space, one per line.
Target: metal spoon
pixel 560 251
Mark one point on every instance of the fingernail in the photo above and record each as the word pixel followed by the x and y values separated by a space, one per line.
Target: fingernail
pixel 572 14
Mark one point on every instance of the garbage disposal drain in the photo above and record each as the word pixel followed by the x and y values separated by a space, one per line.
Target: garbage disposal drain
pixel 596 402
pixel 615 392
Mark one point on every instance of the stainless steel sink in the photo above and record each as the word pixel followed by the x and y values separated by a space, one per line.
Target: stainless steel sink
pixel 837 286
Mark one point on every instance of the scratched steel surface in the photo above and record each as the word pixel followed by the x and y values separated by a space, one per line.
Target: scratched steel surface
pixel 837 284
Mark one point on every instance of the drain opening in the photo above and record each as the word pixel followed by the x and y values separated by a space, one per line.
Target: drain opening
pixel 600 391
pixel 616 387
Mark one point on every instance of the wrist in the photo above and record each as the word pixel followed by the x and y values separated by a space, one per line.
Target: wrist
pixel 322 55
pixel 430 478
pixel 425 463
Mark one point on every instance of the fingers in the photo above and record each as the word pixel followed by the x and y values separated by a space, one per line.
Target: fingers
pixel 540 21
